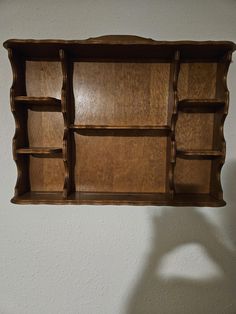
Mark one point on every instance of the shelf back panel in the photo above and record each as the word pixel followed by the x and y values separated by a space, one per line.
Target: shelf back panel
pixel 45 129
pixel 197 80
pixel 46 174
pixel 192 176
pixel 195 131
pixel 120 163
pixel 43 79
pixel 121 93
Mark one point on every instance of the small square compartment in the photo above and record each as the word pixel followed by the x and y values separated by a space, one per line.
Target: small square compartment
pixel 197 80
pixel 43 79
pixel 194 131
pixel 192 176
pixel 46 174
pixel 45 129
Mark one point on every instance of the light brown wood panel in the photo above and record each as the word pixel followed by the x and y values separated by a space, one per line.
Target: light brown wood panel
pixel 192 176
pixel 45 129
pixel 197 80
pixel 44 79
pixel 121 93
pixel 194 131
pixel 46 174
pixel 120 163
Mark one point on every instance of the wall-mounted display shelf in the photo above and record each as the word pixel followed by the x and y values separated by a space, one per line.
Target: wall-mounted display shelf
pixel 119 120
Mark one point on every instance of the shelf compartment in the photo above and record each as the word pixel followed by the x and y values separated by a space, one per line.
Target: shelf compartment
pixel 200 105
pixel 41 151
pixel 121 164
pixel 191 131
pixel 199 154
pixel 197 80
pixel 121 93
pixel 192 176
pixel 39 103
pixel 161 199
pixel 46 174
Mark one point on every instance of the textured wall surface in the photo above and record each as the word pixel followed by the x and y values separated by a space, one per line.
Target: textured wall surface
pixel 110 259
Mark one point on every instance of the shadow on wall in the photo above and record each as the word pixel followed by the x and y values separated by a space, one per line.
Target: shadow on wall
pixel 176 227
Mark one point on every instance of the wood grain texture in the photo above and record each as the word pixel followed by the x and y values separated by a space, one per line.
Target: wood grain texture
pixel 101 121
pixel 45 129
pixel 120 164
pixel 120 46
pixel 121 93
pixel 192 176
pixel 46 174
pixel 191 131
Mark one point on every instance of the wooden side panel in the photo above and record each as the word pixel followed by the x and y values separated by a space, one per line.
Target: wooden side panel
pixel 46 174
pixel 121 93
pixel 194 131
pixel 120 164
pixel 192 176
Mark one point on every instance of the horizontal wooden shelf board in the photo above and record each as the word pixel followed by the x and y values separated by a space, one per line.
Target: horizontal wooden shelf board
pixel 120 130
pixel 199 154
pixel 158 199
pixel 39 150
pixel 114 45
pixel 200 105
pixel 40 103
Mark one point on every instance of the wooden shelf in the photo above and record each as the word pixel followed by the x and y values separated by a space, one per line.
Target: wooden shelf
pixel 39 103
pixel 155 199
pixel 39 151
pixel 122 129
pixel 108 111
pixel 200 105
pixel 199 154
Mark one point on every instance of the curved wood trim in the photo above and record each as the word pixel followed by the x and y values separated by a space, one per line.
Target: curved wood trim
pixel 117 39
pixel 20 137
pixel 66 99
pixel 219 139
pixel 173 102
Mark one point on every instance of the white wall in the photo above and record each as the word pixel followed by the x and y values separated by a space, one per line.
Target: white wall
pixel 110 259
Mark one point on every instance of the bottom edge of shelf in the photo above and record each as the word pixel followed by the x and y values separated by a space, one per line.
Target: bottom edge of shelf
pixel 92 198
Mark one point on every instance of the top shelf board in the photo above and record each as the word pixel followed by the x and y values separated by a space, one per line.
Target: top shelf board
pixel 120 47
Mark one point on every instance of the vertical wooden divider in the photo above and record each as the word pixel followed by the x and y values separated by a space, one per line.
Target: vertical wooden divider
pixel 67 108
pixel 20 138
pixel 172 118
pixel 219 143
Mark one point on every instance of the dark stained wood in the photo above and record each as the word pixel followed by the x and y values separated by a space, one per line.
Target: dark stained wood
pixel 199 154
pixel 158 199
pixel 39 150
pixel 200 105
pixel 39 103
pixel 120 46
pixel 120 164
pixel 119 120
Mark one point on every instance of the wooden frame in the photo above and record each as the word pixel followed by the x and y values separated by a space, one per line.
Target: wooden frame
pixel 119 120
